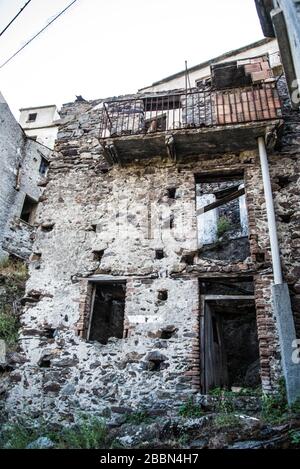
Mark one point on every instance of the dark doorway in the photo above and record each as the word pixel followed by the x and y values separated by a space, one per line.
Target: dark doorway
pixel 107 312
pixel 231 350
pixel 28 210
pixel 229 342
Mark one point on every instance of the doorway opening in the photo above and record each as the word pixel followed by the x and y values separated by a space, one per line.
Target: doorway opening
pixel 28 210
pixel 107 312
pixel 229 342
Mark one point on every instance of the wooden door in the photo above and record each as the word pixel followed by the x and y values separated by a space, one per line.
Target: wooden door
pixel 215 364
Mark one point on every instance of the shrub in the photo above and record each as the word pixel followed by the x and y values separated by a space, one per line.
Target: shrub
pixel 189 409
pixel 226 420
pixel 90 433
pixel 137 418
pixel 225 403
pixel 183 440
pixel 295 436
pixel 223 225
pixel 19 434
pixel 274 406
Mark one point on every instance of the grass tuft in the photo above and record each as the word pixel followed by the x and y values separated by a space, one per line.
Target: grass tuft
pixel 9 326
pixel 189 409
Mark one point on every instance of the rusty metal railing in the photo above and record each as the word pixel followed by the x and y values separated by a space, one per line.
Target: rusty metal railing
pixel 188 110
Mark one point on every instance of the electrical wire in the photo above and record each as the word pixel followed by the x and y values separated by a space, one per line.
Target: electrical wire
pixel 14 18
pixel 37 34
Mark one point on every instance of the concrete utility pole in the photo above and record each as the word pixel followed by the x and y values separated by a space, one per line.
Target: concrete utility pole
pixel 281 19
pixel 280 292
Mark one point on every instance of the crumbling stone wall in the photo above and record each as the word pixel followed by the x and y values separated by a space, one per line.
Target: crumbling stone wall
pixel 20 162
pixel 126 213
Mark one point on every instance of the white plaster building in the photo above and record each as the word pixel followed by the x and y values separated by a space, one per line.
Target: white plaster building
pixel 40 123
pixel 268 46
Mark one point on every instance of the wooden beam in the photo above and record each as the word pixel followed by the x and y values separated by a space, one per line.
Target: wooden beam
pixel 118 278
pixel 227 297
pixel 170 144
pixel 224 200
pixel 224 192
pixel 110 152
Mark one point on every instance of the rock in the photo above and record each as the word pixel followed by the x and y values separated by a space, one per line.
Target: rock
pixel 133 357
pixel 52 387
pixel 198 444
pixel 2 351
pixel 15 377
pixel 16 358
pixel 43 442
pixel 126 441
pixel 218 442
pixel 236 389
pixel 68 390
pixel 156 361
pixel 66 362
pixel 156 412
pixel 190 424
pixel 121 410
pixel 251 444
pixel 156 357
pixel 168 331
pixel 161 344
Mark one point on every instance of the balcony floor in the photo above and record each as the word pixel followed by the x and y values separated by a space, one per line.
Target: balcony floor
pixel 188 142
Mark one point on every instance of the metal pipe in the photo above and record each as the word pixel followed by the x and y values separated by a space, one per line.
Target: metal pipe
pixel 277 272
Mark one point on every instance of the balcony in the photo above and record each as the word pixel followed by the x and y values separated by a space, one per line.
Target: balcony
pixel 181 124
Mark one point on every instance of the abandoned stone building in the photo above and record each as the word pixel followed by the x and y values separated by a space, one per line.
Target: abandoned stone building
pixel 152 274
pixel 24 165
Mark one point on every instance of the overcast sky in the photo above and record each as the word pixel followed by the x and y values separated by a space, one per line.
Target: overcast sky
pixel 102 48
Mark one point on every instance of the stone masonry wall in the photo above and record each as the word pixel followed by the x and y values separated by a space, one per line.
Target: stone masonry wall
pixel 20 162
pixel 125 214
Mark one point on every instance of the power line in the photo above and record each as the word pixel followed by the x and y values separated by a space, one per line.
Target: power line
pixel 37 34
pixel 14 18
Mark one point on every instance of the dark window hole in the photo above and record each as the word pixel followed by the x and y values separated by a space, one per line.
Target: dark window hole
pixel 168 332
pixel 32 117
pixel 44 362
pixel 108 312
pixel 44 165
pixel 171 192
pixel 159 254
pixel 260 257
pixel 283 181
pixel 162 295
pixel 286 218
pixel 98 255
pixel 49 332
pixel 188 259
pixel 28 210
pixel 47 227
pixel 154 365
